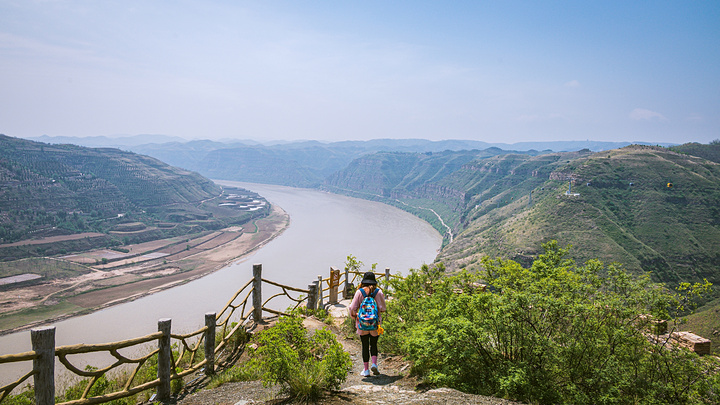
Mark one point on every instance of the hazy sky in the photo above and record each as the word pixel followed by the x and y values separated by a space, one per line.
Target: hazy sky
pixel 496 71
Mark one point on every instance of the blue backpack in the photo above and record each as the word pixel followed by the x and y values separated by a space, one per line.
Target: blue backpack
pixel 368 316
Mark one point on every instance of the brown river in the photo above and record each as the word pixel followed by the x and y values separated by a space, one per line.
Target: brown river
pixel 324 229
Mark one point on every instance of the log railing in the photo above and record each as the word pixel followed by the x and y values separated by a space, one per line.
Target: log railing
pixel 94 375
pixel 349 280
pixel 195 350
pixel 285 292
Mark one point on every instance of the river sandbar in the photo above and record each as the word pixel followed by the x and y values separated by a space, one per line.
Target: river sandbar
pixel 49 302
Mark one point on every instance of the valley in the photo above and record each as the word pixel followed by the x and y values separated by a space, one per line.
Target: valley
pixel 652 209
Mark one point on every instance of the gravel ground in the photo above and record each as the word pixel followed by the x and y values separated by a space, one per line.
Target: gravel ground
pixel 392 386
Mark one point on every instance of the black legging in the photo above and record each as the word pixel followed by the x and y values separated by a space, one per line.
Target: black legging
pixel 369 346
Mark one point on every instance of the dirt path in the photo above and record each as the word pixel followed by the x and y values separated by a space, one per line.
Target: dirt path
pixel 392 386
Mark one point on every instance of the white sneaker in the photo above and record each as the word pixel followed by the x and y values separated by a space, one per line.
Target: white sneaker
pixel 374 369
pixel 365 373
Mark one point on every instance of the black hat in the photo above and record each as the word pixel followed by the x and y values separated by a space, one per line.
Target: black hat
pixel 369 278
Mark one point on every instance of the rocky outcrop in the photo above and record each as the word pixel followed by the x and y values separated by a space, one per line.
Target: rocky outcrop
pixel 436 192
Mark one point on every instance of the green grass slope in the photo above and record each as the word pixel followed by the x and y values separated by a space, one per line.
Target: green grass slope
pixel 710 152
pixel 419 182
pixel 650 208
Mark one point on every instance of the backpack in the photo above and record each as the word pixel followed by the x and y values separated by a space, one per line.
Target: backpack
pixel 368 316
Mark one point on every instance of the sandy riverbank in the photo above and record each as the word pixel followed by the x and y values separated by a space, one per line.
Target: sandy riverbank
pixel 49 302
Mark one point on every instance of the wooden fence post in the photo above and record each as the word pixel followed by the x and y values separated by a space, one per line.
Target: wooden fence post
pixel 43 343
pixel 318 294
pixel 210 343
pixel 257 292
pixel 164 359
pixel 346 287
pixel 387 275
pixel 334 284
pixel 321 301
pixel 312 296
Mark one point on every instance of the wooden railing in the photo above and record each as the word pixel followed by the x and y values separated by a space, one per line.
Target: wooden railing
pixel 237 314
pixel 328 287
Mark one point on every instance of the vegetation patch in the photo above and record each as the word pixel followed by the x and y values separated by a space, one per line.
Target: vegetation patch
pixel 705 322
pixel 304 366
pixel 49 268
pixel 37 314
pixel 554 333
pixel 129 227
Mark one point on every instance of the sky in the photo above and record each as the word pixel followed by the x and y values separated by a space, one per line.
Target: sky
pixel 493 71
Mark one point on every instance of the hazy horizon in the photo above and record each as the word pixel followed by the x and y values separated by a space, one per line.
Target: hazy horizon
pixel 497 72
pixel 162 138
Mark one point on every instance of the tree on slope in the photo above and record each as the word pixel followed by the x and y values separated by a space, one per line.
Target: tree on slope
pixel 552 333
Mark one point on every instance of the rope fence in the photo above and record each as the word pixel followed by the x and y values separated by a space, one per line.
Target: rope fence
pixel 175 355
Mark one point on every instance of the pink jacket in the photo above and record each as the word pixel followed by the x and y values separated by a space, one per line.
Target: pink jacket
pixel 355 305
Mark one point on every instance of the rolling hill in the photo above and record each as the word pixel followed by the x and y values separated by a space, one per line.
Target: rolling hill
pixel 50 190
pixel 650 208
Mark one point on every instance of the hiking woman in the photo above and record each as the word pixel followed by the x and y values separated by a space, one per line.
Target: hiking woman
pixel 368 330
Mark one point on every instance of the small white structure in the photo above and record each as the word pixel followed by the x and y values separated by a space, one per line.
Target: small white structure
pixel 569 193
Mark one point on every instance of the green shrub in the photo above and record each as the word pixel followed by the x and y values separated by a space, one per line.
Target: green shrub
pixel 348 327
pixel 303 365
pixel 102 385
pixel 238 338
pixel 176 385
pixel 25 397
pixel 108 383
pixel 239 372
pixel 554 333
pixel 405 309
pixel 321 314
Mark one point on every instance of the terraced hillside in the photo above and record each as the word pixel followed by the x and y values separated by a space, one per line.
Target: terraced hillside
pixel 650 208
pixel 54 190
pixel 426 184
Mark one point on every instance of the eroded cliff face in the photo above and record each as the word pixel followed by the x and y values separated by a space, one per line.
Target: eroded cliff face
pixel 648 208
pixel 447 195
pixel 632 205
pixel 363 175
pixel 451 183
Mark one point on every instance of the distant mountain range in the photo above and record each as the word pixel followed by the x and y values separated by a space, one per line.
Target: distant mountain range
pixel 374 145
pixel 107 142
pixel 302 163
